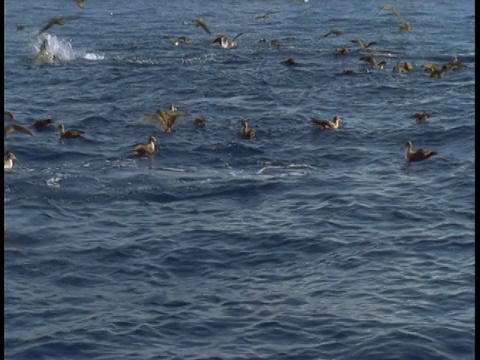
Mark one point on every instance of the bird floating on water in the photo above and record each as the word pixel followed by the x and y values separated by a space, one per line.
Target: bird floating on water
pixel 247 132
pixel 421 117
pixel 42 124
pixel 327 124
pixel 200 122
pixel 342 51
pixel 70 133
pixel 8 161
pixel 146 149
pixel 419 155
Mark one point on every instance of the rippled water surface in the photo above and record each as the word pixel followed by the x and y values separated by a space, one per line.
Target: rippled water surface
pixel 301 243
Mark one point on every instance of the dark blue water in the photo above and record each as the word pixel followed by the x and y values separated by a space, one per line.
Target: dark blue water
pixel 298 244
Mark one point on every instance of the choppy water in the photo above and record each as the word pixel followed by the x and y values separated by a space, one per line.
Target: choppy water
pixel 298 244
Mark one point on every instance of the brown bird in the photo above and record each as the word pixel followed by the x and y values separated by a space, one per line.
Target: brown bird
pixel 201 23
pixel 327 124
pixel 404 25
pixel 418 155
pixel 8 114
pixel 80 3
pixel 455 64
pixel 434 71
pixel 54 21
pixel 247 133
pixel 70 133
pixel 290 62
pixel 42 124
pixel 332 32
pixel 342 51
pixel 362 43
pixel 405 67
pixel 146 149
pixel 421 117
pixel 372 61
pixel 349 72
pixel 165 118
pixel 14 127
pixel 200 122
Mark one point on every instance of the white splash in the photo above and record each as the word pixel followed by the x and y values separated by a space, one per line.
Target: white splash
pixel 62 50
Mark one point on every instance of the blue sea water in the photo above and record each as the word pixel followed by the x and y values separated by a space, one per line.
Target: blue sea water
pixel 301 243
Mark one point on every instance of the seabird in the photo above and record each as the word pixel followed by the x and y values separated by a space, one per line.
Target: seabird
pixel 332 32
pixel 14 127
pixel 290 62
pixel 42 124
pixel 8 114
pixel 147 149
pixel 200 122
pixel 327 124
pixel 54 21
pixel 418 155
pixel 201 23
pixel 70 133
pixel 80 3
pixel 342 51
pixel 405 25
pixel 165 118
pixel 372 61
pixel 247 133
pixel 349 72
pixel 224 42
pixel 421 117
pixel 362 43
pixel 8 161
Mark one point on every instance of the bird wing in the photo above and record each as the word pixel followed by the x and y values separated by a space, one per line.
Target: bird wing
pixel 151 118
pixel 201 22
pixel 14 127
pixel 236 36
pixel 360 42
pixel 391 9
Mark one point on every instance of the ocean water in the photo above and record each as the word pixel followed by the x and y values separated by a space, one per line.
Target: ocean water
pixel 301 243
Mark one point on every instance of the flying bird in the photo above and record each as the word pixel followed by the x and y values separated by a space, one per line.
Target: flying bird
pixel 201 23
pixel 53 21
pixel 224 42
pixel 14 127
pixel 165 118
pixel 332 32
pixel 362 43
pixel 372 61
